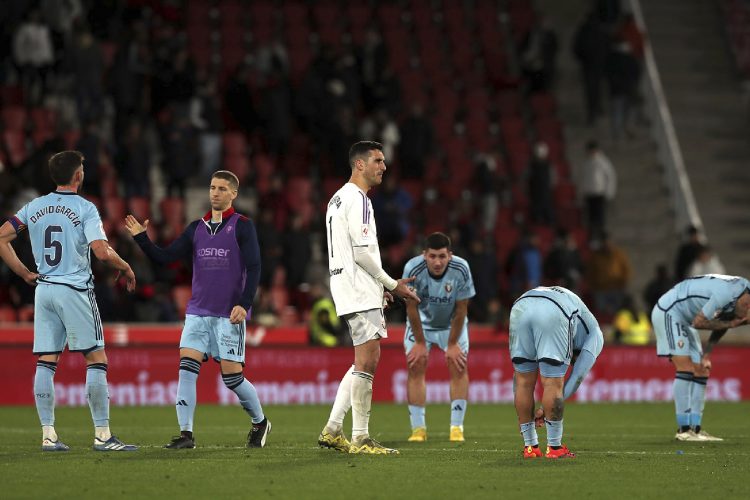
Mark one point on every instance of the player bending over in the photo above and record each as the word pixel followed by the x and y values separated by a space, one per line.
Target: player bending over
pixel 543 325
pixel 711 302
pixel 443 283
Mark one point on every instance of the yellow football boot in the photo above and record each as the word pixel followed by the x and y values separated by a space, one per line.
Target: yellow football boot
pixel 369 446
pixel 334 440
pixel 457 433
pixel 418 435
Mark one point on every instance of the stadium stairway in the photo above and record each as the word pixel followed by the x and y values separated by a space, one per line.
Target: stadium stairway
pixel 704 94
pixel 641 195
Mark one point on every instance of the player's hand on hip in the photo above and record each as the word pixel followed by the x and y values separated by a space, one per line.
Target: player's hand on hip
pixel 237 315
pixel 456 357
pixel 404 291
pixel 133 226
pixel 30 278
pixel 706 362
pixel 417 353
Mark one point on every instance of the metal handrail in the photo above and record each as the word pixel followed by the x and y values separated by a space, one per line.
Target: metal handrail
pixel 668 146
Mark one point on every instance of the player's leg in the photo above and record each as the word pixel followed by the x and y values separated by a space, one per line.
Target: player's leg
pixel 228 344
pixel 194 345
pixel 698 391
pixel 459 391
pixel 416 390
pixel 367 329
pixel 553 378
pixel 332 436
pixel 523 356
pixel 672 343
pixel 49 341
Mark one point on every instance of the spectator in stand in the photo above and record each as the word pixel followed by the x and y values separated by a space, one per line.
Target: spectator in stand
pixel 483 264
pixel 325 326
pixel 276 112
pixel 392 204
pixel 271 247
pixel 631 324
pixel 372 58
pixel 417 142
pixel 608 275
pixel 492 186
pixel 687 253
pixel 383 129
pixel 34 55
pixel 128 77
pixel 538 55
pixel 205 117
pixel 598 181
pixel 541 179
pixel 92 147
pixel 297 252
pixel 563 265
pixel 87 67
pixel 660 283
pixel 623 74
pixel 180 159
pixel 707 262
pixel 524 265
pixel 590 49
pixel 239 100
pixel 133 162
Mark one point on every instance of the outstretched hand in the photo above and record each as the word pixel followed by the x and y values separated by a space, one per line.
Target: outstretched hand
pixel 404 291
pixel 133 226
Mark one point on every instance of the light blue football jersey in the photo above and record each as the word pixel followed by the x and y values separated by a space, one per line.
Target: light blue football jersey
pixel 61 226
pixel 713 294
pixel 588 335
pixel 439 295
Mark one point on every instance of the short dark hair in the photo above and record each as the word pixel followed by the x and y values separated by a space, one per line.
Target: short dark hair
pixel 228 176
pixel 436 241
pixel 592 145
pixel 361 150
pixel 63 165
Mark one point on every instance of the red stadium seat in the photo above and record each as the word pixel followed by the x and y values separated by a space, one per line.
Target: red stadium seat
pixel 140 208
pixel 8 314
pixel 14 118
pixel 115 208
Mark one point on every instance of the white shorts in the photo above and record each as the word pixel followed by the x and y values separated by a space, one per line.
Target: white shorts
pixel 366 325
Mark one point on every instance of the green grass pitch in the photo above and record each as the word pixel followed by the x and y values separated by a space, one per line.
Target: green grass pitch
pixel 624 451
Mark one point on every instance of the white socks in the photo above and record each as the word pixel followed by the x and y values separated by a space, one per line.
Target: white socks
pixel 102 433
pixel 48 432
pixel 361 404
pixel 342 403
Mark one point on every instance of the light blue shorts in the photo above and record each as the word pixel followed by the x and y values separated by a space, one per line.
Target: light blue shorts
pixel 540 337
pixel 674 337
pixel 63 315
pixel 437 337
pixel 215 337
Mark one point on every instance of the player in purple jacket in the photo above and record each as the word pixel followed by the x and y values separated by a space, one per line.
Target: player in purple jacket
pixel 226 269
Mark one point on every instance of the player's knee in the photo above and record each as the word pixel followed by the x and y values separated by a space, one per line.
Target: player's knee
pixel 233 380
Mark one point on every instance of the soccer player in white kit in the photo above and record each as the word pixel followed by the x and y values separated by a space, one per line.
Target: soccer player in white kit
pixel 360 289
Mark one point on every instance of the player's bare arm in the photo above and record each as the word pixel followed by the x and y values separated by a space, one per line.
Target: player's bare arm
pixel 453 354
pixel 702 323
pixel 107 254
pixel 133 226
pixel 8 255
pixel 419 350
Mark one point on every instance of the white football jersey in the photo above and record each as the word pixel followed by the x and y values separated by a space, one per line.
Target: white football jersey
pixel 350 223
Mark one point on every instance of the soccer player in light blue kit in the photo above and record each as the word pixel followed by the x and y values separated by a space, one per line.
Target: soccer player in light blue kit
pixel 444 284
pixel 711 302
pixel 63 227
pixel 547 324
pixel 226 268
